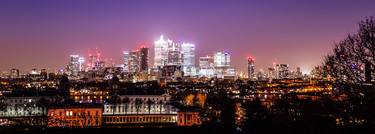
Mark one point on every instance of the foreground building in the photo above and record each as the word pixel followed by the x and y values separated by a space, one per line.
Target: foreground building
pixel 188 117
pixel 77 116
pixel 142 110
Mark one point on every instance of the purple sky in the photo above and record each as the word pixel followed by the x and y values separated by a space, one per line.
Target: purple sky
pixel 42 34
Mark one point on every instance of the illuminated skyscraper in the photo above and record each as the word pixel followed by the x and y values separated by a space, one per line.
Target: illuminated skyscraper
pixel 222 59
pixel 167 52
pixel 161 52
pixel 206 66
pixel 143 59
pixel 126 61
pixel 222 65
pixel 174 54
pixel 188 59
pixel 73 65
pixel 134 61
pixel 188 54
pixel 250 68
pixel 81 61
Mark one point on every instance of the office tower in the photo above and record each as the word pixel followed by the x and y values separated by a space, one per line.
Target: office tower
pixel 188 59
pixel 282 71
pixel 206 66
pixel 161 52
pixel 250 68
pixel 143 59
pixel 222 65
pixel 168 52
pixel 134 61
pixel 81 61
pixel 222 59
pixel 126 61
pixel 174 54
pixel 73 67
pixel 188 54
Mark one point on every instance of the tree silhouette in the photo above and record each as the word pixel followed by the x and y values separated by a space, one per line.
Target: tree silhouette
pixel 138 104
pixel 64 87
pixel 354 56
pixel 161 104
pixel 149 104
pixel 126 101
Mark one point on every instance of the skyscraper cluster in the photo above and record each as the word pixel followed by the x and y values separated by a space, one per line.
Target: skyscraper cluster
pixel 172 60
pixel 170 53
pixel 217 65
pixel 136 61
pixel 95 62
pixel 75 65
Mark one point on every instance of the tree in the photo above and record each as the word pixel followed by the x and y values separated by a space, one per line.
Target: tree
pixel 125 101
pixel 3 104
pixel 64 86
pixel 257 116
pixel 138 104
pixel 115 100
pixel 149 104
pixel 43 103
pixel 161 104
pixel 114 82
pixel 228 115
pixel 354 56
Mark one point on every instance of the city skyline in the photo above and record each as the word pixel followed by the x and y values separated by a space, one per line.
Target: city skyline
pixel 39 35
pixel 187 66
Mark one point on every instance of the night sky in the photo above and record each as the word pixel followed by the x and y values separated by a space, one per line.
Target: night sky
pixel 42 34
